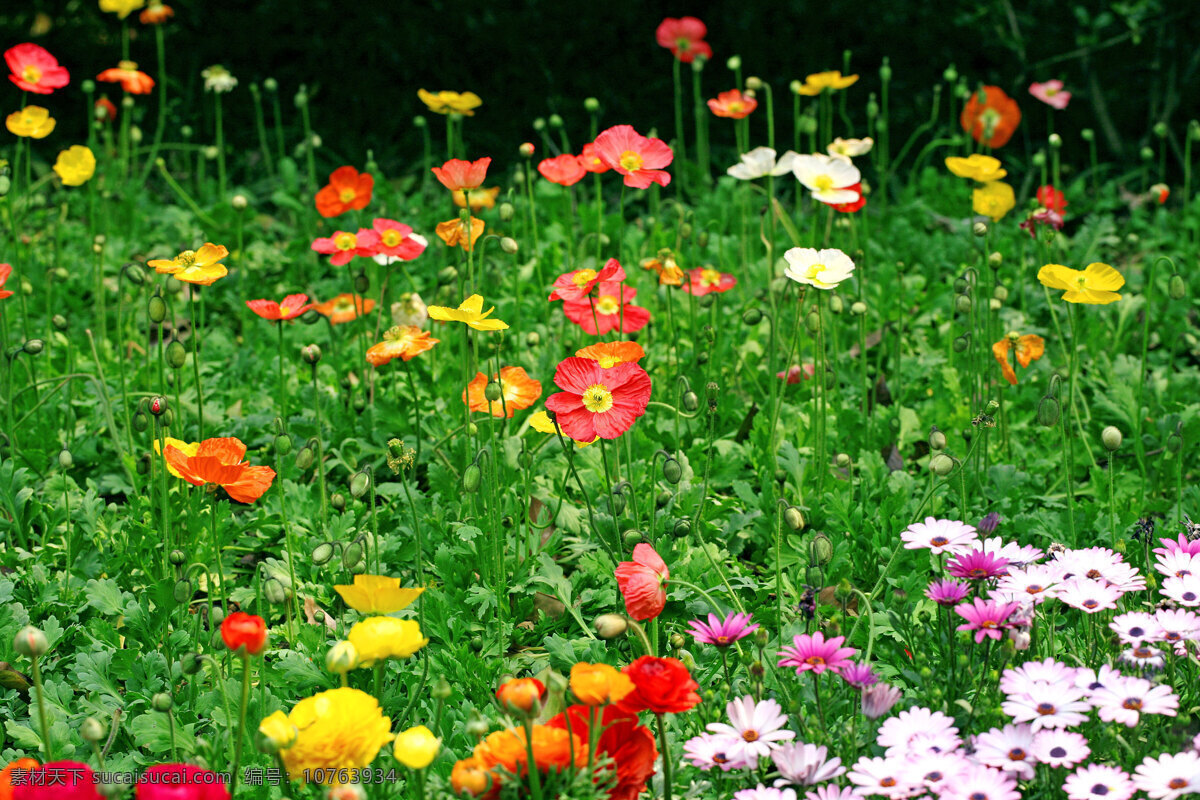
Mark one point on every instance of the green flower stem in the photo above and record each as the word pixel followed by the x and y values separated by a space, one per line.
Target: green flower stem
pixel 701 125
pixel 241 730
pixel 291 551
pixel 535 780
pixel 320 451
pixel 260 126
pixel 161 124
pixel 280 150
pixel 310 161
pixel 664 743
pixel 196 364
pixel 43 720
pixel 283 405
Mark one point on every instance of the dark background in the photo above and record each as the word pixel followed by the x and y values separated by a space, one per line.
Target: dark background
pixel 1129 64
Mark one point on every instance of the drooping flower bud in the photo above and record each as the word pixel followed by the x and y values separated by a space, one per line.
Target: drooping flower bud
pixel 610 626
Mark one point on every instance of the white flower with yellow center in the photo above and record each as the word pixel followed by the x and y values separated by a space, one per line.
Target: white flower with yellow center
pixel 847 149
pixel 827 178
pixel 822 269
pixel 760 162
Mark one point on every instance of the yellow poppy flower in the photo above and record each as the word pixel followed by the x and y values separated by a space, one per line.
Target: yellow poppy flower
pixel 820 81
pixel 189 449
pixel 377 638
pixel 976 167
pixel 994 199
pixel 445 102
pixel 122 8
pixel 1096 285
pixel 75 165
pixel 377 594
pixel 542 423
pixel 471 312
pixel 195 266
pixel 417 747
pixel 33 122
pixel 279 729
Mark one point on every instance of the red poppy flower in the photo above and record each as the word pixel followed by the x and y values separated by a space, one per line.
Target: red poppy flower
pixel 1051 198
pixel 639 158
pixel 596 401
pixel 132 79
pixel 218 462
pixel 397 240
pixel 660 685
pixel 624 740
pixel 521 694
pixel 240 630
pixel 706 280
pixel 850 208
pixel 732 104
pixel 796 373
pixel 576 285
pixel 292 306
pixel 612 305
pixel 592 162
pixel 641 582
pixel 992 120
pixel 180 782
pixel 458 175
pixel 5 271
pixel 520 392
pixel 344 246
pixel 34 69
pixel 565 170
pixel 347 190
pixel 684 37
pixel 104 110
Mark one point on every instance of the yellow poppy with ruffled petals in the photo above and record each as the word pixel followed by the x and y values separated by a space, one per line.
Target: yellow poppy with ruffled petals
pixel 379 638
pixel 31 122
pixel 977 167
pixel 195 266
pixel 75 166
pixel 833 80
pixel 993 200
pixel 1095 285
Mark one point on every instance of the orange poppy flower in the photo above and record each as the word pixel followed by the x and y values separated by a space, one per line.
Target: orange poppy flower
pixel 347 190
pixel 552 749
pixel 732 104
pixel 480 198
pixel 609 354
pixel 457 174
pixel 5 271
pixel 1029 348
pixel 565 170
pixel 668 270
pixel 992 120
pixel 401 341
pixel 218 462
pixel 344 308
pixel 471 775
pixel 520 392
pixel 156 14
pixel 129 76
pixel 454 233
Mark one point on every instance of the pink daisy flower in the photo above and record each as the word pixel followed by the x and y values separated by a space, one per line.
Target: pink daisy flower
pixel 1018 680
pixel 882 776
pixel 1185 590
pixel 707 751
pixel 986 617
pixel 917 730
pixel 833 792
pixel 1033 584
pixel 940 536
pixel 1048 706
pixel 805 764
pixel 1098 782
pixel 1182 544
pixel 1051 93
pixel 1143 657
pixel 878 700
pixel 982 783
pixel 1126 700
pixel 761 792
pixel 1178 564
pixel 1137 627
pixel 815 653
pixel 1091 680
pixel 1168 776
pixel 1177 624
pixel 947 592
pixel 1015 553
pixel 1009 749
pixel 860 676
pixel 1059 748
pixel 1088 595
pixel 756 728
pixel 978 566
pixel 935 771
pixel 722 633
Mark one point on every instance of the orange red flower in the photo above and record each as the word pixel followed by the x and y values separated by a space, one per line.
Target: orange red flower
pixel 642 583
pixel 732 104
pixel 609 354
pixel 598 684
pixel 218 462
pixel 992 119
pixel 405 342
pixel 156 14
pixel 1029 348
pixel 347 190
pixel 344 308
pixel 612 309
pixel 34 69
pixel 292 306
pixel 519 391
pixel 666 267
pixel 592 162
pixel 576 285
pixel 104 109
pixel 684 37
pixel 344 246
pixel 132 79
pixel 595 401
pixel 639 158
pixel 629 744
pixel 552 749
pixel 457 175
pixel 521 695
pixel 1051 198
pixel 454 233
pixel 706 280
pixel 850 208
pixel 6 775
pixel 397 240
pixel 660 685
pixel 565 170
pixel 5 271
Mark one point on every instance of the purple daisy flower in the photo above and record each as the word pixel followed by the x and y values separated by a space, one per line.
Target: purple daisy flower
pixel 986 617
pixel 722 633
pixel 815 653
pixel 978 565
pixel 860 676
pixel 947 593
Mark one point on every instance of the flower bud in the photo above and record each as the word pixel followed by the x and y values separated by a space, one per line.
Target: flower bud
pixel 447 275
pixel 162 702
pixel 591 105
pixel 526 149
pixel 492 392
pixel 961 344
pixel 754 83
pixel 176 355
pixel 1048 411
pixel 305 458
pixel 555 121
pixel 858 308
pixel 341 658
pixel 477 727
pixel 509 245
pixel 362 283
pixel 275 591
pixel 1055 141
pixel 1000 293
pixel 158 405
pixel 311 354
pixel 92 730
pixel 507 212
pixel 662 499
pixel 995 260
pixel 352 555
pixel 1111 437
pixel 937 439
pixel 282 444
pixel 1146 153
pixel 794 518
pixel 950 74
pixel 836 304
pixel 682 528
pixel 1087 134
pixel 632 538
pixel 472 475
pixel 885 70
pixel 65 460
pixel 338 501
pixel 690 401
pixel 821 549
pixel 610 626
pixel 1161 130
pixel 359 484
pixel 30 642
pixel 677 641
pixel 156 309
pixel 941 465
pixel 995 304
pixel 672 471
pixel 140 421
pixel 752 316
pixel 182 592
pixel 177 557
pixel 842 460
pixel 1177 287
pixel 322 553
pixel 533 339
pixel 59 322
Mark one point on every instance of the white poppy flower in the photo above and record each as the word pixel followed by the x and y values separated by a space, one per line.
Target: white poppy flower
pixel 823 269
pixel 846 149
pixel 826 177
pixel 760 162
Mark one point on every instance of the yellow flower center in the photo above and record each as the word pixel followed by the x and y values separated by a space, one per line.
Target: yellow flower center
pixel 284 310
pixel 127 66
pixel 814 271
pixel 710 277
pixel 631 161
pixel 1051 91
pixel 597 399
pixel 824 183
pixel 607 304
pixel 736 106
pixel 343 304
pixel 345 241
pixel 582 276
pixel 187 258
pixel 346 195
pixel 32 74
pixel 608 362
pixel 391 237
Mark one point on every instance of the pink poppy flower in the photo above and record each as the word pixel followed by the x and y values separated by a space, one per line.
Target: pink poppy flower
pixel 34 69
pixel 796 373
pixel 397 240
pixel 565 170
pixel 706 280
pixel 642 580
pixel 684 37
pixel 1051 93
pixel 344 246
pixel 576 285
pixel 458 175
pixel 292 306
pixel 638 158
pixel 592 162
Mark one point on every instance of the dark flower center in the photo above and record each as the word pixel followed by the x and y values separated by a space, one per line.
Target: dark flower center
pixel 1035 588
pixel 1089 603
pixel 1132 703
pixel 889 782
pixel 1093 573
pixel 1100 789
pixel 979 796
pixel 1177 783
pixel 933 776
pixel 1189 596
pixel 1046 709
pixel 1016 754
pixel 1136 631
pixel 1058 752
pixel 939 541
pixel 978 572
pixel 750 736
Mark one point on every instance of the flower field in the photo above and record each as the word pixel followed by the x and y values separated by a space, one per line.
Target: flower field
pixel 774 454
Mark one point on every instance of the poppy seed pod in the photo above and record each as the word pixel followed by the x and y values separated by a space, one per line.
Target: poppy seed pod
pixel 305 458
pixel 176 354
pixel 752 316
pixel 1048 411
pixel 322 553
pixel 177 557
pixel 1111 437
pixel 311 354
pixel 941 465
pixel 1177 287
pixel 472 475
pixel 610 626
pixel 672 471
pixel 30 642
pixel 359 484
pixel 156 309
pixel 794 518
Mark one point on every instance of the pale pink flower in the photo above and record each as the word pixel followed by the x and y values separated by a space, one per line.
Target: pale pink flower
pixel 1047 706
pixel 940 536
pixel 982 783
pixel 1018 680
pixel 914 729
pixel 1098 782
pixel 1051 93
pixel 882 776
pixel 1169 776
pixel 1126 700
pixel 878 700
pixel 707 751
pixel 1059 748
pixel 805 764
pixel 756 728
pixel 1009 749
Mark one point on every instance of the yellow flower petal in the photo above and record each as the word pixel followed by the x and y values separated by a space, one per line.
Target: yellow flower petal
pixel 377 594
pixel 1056 276
pixel 189 449
pixel 1103 277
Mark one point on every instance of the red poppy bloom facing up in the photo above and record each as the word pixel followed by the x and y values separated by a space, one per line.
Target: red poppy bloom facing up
pixel 5 271
pixel 732 104
pixel 292 306
pixel 132 79
pixel 628 743
pixel 642 583
pixel 458 175
pixel 347 190
pixel 850 208
pixel 992 120
pixel 397 240
pixel 639 158
pixel 218 462
pixel 576 285
pixel 611 307
pixel 34 69
pixel 565 170
pixel 344 246
pixel 518 389
pixel 706 280
pixel 596 401
pixel 684 37
pixel 1051 198
pixel 240 630
pixel 592 162
pixel 660 685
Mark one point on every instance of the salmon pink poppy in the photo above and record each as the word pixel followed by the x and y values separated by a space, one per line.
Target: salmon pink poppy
pixel 592 162
pixel 455 234
pixel 629 744
pixel 397 240
pixel 732 104
pixel 34 69
pixel 706 280
pixel 344 246
pixel 1051 198
pixel 5 271
pixel 518 391
pixel 292 306
pixel 639 158
pixel 991 118
pixel 642 580
pixel 596 401
pixel 576 285
pixel 132 79
pixel 218 462
pixel 347 190
pixel 684 37
pixel 609 311
pixel 458 175
pixel 565 170
pixel 1051 93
